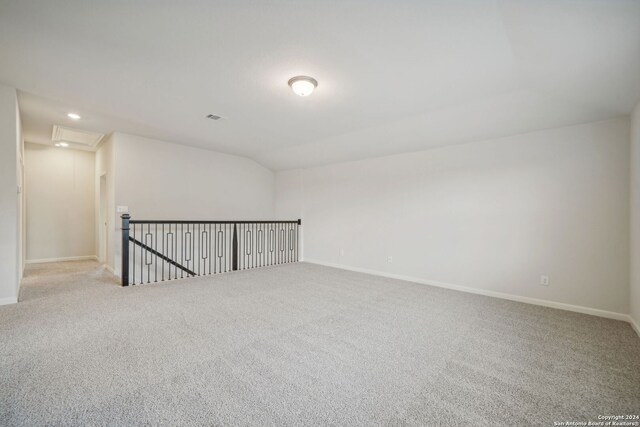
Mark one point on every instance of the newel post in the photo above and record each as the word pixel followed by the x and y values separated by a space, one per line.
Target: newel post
pixel 234 255
pixel 125 249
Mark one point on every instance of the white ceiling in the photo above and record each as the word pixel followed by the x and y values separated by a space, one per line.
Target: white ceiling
pixel 394 76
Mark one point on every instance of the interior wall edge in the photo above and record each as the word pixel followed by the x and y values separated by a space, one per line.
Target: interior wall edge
pixel 8 300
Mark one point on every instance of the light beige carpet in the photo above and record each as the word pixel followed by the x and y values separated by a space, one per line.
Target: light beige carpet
pixel 301 344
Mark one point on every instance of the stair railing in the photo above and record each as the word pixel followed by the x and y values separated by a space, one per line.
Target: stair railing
pixel 159 250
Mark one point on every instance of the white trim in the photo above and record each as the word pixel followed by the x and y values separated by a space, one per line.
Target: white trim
pixel 634 325
pixel 71 258
pixel 8 300
pixel 109 269
pixel 527 300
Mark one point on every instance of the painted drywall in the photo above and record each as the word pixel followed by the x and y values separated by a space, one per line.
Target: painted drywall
pixel 491 215
pixel 289 194
pixel 60 202
pixel 635 218
pixel 9 196
pixel 104 162
pixel 21 213
pixel 161 180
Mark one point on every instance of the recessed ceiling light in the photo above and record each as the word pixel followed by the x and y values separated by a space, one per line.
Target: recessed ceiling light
pixel 73 116
pixel 303 85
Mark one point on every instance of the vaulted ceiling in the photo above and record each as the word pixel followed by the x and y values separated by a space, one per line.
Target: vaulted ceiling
pixel 394 76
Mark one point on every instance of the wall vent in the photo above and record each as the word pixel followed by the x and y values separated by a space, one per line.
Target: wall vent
pixel 213 117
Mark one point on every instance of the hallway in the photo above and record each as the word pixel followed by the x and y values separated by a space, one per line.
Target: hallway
pixel 57 279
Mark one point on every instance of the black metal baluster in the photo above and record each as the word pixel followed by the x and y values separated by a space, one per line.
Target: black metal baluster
pixel 222 248
pixel 215 249
pixel 241 242
pixel 246 246
pixel 259 237
pixel 146 253
pixel 287 228
pixel 170 239
pixel 141 256
pixel 268 248
pixel 155 246
pixel 297 241
pixel 134 256
pixel 292 235
pixel 175 241
pixel 164 251
pixel 217 258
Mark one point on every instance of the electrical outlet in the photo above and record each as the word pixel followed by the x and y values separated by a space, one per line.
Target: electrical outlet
pixel 389 259
pixel 544 280
pixel 122 209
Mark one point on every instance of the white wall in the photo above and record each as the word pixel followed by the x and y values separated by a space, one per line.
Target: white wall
pixel 491 215
pixel 161 180
pixel 289 194
pixel 10 246
pixel 635 217
pixel 104 162
pixel 60 203
pixel 21 213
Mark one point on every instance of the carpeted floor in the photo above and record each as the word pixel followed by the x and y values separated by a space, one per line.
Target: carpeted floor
pixel 301 344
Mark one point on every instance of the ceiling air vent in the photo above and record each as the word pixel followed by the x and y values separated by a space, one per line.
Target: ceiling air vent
pixel 75 136
pixel 213 117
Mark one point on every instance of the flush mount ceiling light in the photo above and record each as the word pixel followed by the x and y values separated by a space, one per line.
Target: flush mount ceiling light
pixel 74 116
pixel 303 85
pixel 61 144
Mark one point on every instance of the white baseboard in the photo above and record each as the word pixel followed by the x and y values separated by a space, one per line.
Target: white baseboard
pixel 71 258
pixel 9 300
pixel 110 269
pixel 527 300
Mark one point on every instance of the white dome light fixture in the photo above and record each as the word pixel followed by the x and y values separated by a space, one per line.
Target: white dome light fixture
pixel 303 85
pixel 74 116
